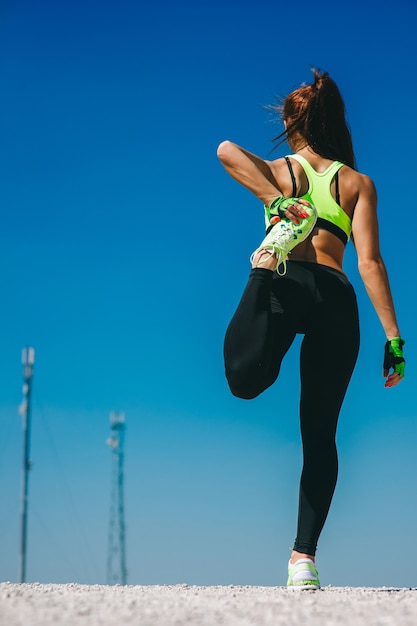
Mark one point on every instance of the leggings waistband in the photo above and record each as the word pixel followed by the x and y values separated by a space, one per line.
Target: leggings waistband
pixel 313 266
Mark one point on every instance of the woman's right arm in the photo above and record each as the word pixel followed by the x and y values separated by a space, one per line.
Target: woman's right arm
pixel 250 171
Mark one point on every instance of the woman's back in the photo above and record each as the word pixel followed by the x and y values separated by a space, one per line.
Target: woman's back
pixel 322 246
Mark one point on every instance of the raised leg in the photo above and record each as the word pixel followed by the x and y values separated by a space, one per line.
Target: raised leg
pixel 257 339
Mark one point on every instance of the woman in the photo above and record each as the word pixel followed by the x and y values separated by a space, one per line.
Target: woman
pixel 314 201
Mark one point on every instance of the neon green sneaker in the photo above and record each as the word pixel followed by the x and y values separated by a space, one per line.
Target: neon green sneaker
pixel 303 574
pixel 285 236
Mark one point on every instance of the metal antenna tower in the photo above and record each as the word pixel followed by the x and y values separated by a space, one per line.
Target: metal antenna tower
pixel 116 551
pixel 28 360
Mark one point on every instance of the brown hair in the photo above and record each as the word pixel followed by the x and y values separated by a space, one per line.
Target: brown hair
pixel 317 113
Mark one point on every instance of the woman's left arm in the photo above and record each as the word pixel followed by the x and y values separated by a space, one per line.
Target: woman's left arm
pixel 371 265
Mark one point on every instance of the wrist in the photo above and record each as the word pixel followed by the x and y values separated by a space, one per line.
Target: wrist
pixel 393 335
pixel 269 200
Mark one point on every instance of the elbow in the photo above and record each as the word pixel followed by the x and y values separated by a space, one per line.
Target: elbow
pixel 370 265
pixel 224 150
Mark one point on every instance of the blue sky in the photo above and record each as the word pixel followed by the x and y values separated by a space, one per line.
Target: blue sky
pixel 124 250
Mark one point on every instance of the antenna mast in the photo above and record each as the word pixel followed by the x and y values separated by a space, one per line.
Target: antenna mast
pixel 28 360
pixel 116 553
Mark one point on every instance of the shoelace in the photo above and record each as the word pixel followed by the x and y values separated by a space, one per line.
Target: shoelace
pixel 278 247
pixel 280 254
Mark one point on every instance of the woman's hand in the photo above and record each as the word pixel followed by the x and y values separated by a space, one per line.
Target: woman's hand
pixel 289 208
pixel 394 359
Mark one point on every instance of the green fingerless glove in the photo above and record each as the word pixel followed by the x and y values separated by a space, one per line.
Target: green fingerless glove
pixel 278 208
pixel 394 357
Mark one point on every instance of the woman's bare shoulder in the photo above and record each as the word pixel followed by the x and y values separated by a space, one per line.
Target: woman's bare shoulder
pixel 359 179
pixel 356 189
pixel 282 174
pixel 278 164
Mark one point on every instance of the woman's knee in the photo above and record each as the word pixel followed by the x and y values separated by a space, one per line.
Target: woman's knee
pixel 242 385
pixel 243 392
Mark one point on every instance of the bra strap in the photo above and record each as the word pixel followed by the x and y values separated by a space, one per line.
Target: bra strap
pixel 336 186
pixel 294 182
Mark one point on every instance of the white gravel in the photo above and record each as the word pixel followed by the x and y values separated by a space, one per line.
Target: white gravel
pixel 177 605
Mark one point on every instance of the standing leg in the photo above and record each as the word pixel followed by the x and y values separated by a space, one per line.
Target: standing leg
pixel 328 356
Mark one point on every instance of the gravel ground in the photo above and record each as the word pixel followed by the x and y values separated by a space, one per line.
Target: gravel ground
pixel 177 605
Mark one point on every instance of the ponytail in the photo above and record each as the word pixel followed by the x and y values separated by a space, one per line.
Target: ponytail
pixel 317 113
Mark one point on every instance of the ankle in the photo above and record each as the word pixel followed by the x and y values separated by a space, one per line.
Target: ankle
pixel 301 555
pixel 265 259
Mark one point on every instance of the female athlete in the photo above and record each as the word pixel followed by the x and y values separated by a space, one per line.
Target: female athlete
pixel 315 201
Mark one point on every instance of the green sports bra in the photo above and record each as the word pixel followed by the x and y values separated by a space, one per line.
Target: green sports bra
pixel 331 216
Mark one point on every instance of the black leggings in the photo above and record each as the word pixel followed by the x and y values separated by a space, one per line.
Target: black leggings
pixel 320 303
